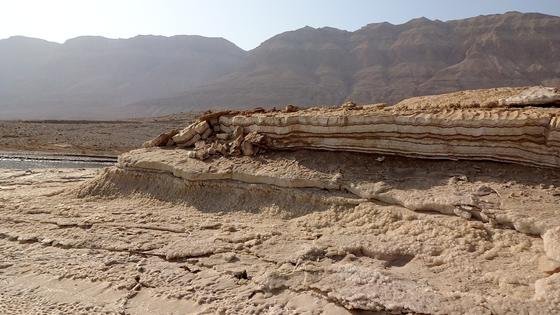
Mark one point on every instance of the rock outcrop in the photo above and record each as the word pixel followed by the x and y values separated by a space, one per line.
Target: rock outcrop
pixel 494 211
pixel 358 178
pixel 535 96
pixel 365 231
pixel 520 125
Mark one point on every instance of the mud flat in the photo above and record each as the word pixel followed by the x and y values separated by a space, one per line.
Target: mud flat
pixel 167 230
pixel 84 137
pixel 134 240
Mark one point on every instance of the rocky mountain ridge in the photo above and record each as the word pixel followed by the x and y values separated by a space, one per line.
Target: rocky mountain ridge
pixel 380 62
pixel 90 77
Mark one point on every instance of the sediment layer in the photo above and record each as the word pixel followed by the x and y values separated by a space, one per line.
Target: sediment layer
pixel 308 181
pixel 336 174
pixel 498 125
pixel 228 245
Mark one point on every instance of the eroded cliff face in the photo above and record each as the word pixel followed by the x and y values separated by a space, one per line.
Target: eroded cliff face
pixel 519 125
pixel 368 230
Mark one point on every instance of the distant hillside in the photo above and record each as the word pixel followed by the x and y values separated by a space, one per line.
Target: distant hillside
pixel 380 62
pixel 92 77
pixel 386 63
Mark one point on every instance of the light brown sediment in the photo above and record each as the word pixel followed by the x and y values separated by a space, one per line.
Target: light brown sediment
pixel 470 125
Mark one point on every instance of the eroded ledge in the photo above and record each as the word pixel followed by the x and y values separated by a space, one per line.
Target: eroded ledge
pixel 468 125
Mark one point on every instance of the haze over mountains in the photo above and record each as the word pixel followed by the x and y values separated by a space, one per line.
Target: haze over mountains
pixel 100 78
pixel 93 77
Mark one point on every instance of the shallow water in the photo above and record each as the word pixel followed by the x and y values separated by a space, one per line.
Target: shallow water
pixel 30 161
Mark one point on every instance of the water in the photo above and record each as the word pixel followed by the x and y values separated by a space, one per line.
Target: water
pixel 30 161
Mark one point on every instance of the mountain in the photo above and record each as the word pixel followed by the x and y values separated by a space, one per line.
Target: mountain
pixel 381 62
pixel 91 77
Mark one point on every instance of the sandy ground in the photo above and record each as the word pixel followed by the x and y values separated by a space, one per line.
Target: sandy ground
pixel 232 246
pixel 85 137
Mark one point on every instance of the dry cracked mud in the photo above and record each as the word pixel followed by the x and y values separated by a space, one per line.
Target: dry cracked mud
pixel 133 239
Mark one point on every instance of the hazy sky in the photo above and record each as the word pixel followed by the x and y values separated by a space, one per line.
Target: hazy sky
pixel 245 22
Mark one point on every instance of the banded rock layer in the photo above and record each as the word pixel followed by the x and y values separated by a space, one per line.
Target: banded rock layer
pixel 519 125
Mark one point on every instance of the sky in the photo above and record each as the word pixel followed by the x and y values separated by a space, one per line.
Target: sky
pixel 247 23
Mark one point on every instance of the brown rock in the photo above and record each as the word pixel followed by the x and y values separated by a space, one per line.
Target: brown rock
pixel 185 135
pixel 235 146
pixel 161 140
pixel 222 136
pixel 213 121
pixel 206 134
pixel 202 154
pixel 291 108
pixel 201 127
pixel 237 132
pixel 349 105
pixel 191 142
pixel 247 148
pixel 215 115
pixel 253 143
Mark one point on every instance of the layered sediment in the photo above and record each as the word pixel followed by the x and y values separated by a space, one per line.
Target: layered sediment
pixel 347 179
pixel 226 246
pixel 507 125
pixel 358 223
pixel 371 222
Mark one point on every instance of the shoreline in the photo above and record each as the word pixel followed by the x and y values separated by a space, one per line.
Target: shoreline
pixel 28 160
pixel 56 157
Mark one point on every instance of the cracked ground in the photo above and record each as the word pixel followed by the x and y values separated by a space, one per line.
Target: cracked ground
pixel 134 254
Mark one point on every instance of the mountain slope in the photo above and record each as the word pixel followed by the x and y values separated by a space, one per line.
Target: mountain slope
pixel 386 63
pixel 93 76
